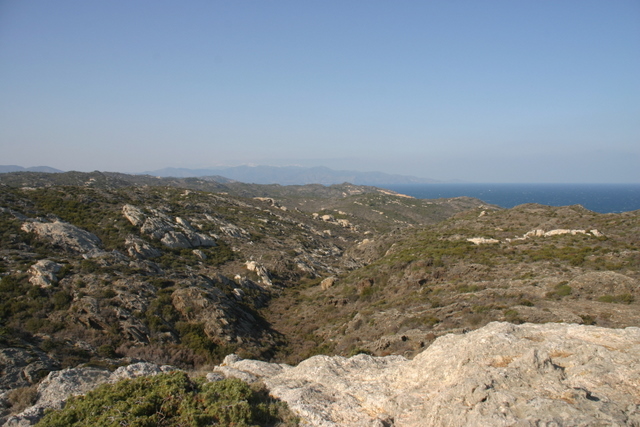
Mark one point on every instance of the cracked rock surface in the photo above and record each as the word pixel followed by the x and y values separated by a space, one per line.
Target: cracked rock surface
pixel 499 375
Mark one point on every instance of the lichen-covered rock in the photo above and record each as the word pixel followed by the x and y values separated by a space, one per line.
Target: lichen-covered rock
pixel 139 369
pixel 139 249
pixel 43 273
pixel 21 367
pixel 261 271
pixel 178 234
pixel 65 235
pixel 328 282
pixel 499 375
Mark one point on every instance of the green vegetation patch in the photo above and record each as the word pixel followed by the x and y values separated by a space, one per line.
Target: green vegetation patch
pixel 618 299
pixel 172 399
pixel 562 289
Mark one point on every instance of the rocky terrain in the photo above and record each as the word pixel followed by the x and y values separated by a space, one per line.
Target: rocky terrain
pixel 499 375
pixel 103 270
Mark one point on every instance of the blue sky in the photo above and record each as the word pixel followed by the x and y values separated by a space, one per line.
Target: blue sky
pixel 483 91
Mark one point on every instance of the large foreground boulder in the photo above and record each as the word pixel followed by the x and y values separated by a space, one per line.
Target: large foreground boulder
pixel 499 375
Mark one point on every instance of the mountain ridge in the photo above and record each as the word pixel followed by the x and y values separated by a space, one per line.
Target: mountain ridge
pixel 293 175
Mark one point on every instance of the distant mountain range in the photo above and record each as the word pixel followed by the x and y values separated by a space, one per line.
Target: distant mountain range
pixel 285 175
pixel 14 168
pixel 292 175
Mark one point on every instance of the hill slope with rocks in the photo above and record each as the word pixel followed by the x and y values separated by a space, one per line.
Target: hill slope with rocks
pixel 107 269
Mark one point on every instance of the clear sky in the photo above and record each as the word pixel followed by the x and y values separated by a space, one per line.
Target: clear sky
pixel 482 91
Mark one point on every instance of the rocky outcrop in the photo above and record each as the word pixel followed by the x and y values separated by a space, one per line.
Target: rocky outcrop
pixel 328 282
pixel 499 375
pixel 66 236
pixel 22 367
pixel 174 234
pixel 261 271
pixel 224 321
pixel 600 283
pixel 557 232
pixel 43 273
pixel 139 249
pixel 482 241
pixel 537 233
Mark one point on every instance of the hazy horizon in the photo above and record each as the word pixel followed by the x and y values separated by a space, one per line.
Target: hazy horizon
pixel 484 92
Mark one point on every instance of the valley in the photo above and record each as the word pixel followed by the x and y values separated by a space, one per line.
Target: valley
pixel 104 270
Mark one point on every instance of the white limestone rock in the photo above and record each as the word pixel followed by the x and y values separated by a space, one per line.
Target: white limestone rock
pixel 328 282
pixel 499 375
pixel 65 235
pixel 482 241
pixel 140 369
pixel 133 214
pixel 261 271
pixel 178 234
pixel 43 273
pixel 139 249
pixel 56 388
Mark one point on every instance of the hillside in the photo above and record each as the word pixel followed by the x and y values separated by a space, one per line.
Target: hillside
pixel 104 268
pixel 107 269
pixel 531 263
pixel 292 175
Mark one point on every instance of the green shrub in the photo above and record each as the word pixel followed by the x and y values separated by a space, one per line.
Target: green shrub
pixel 618 299
pixel 561 290
pixel 22 397
pixel 171 400
pixel 512 316
pixel 587 319
pixel 358 350
pixel 469 288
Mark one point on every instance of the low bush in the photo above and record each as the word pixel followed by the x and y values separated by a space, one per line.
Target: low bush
pixel 172 399
pixel 619 299
pixel 22 397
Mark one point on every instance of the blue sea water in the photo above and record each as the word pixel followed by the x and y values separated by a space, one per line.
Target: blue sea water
pixel 603 198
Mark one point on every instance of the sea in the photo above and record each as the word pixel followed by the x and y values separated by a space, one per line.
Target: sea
pixel 602 198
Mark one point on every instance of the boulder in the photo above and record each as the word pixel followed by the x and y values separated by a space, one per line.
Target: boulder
pixel 139 249
pixel 328 282
pixel 43 273
pixel 261 271
pixel 499 375
pixel 65 235
pixel 133 214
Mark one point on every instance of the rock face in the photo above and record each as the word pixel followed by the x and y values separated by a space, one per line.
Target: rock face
pixel 173 234
pixel 500 375
pixel 21 367
pixel 43 273
pixel 65 235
